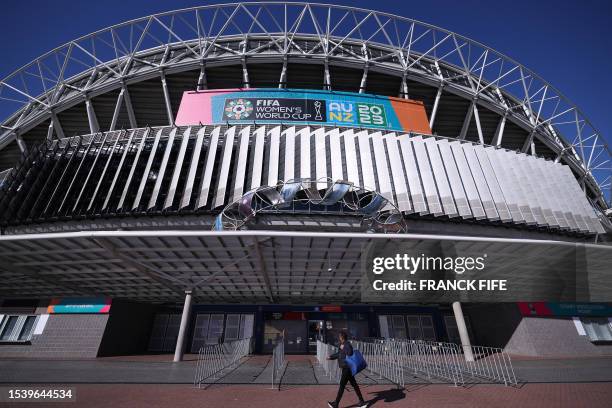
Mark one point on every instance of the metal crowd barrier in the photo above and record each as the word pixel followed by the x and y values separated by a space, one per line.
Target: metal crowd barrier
pixel 384 358
pixel 491 363
pixel 215 358
pixel 392 358
pixel 330 367
pixel 278 363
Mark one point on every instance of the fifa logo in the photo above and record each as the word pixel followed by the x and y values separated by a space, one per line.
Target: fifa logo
pixel 238 108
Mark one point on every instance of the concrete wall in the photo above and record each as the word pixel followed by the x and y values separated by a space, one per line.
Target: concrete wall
pixel 493 324
pixel 128 329
pixel 552 337
pixel 64 336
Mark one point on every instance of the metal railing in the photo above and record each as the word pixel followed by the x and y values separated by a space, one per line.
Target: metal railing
pixel 278 363
pixel 217 357
pixel 330 367
pixel 491 363
pixel 394 359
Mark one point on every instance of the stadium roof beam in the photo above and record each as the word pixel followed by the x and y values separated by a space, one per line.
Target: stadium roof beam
pixel 152 272
pixel 105 59
pixel 263 270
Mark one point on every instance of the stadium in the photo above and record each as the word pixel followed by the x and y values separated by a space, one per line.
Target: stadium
pixel 211 174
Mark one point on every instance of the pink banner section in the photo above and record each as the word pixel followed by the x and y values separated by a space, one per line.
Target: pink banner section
pixel 196 107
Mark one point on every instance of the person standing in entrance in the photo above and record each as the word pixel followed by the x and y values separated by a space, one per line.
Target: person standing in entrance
pixel 345 349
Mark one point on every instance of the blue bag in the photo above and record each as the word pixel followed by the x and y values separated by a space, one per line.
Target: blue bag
pixel 356 362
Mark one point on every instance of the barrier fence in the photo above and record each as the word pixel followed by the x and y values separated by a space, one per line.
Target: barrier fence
pixel 278 363
pixel 490 363
pixel 330 367
pixel 395 359
pixel 215 358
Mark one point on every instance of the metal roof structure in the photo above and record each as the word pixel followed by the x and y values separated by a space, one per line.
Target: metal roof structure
pixel 133 73
pixel 242 266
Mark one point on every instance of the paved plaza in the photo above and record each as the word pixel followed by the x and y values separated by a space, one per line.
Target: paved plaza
pixel 155 381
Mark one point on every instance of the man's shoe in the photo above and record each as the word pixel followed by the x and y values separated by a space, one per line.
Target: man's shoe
pixel 363 404
pixel 332 404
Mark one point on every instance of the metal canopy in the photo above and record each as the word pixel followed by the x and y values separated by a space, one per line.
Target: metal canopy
pixel 226 267
pixel 372 41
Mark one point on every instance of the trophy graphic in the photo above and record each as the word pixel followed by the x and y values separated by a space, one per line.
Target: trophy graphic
pixel 317 105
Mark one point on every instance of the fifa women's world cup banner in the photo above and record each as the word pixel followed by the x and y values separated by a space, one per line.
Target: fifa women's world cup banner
pixel 304 106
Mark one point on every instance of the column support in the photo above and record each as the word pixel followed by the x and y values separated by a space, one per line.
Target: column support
pixel 463 333
pixel 180 341
pixel 282 81
pixel 167 99
pixel 434 110
pixel 202 80
pixel 91 117
pixel 21 144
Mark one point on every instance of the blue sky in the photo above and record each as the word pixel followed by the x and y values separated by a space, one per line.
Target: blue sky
pixel 568 43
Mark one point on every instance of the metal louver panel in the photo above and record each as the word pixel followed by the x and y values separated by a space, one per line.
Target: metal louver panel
pixel 507 189
pixel 177 169
pixel 471 191
pixel 305 167
pixel 444 190
pixel 126 148
pixel 110 153
pixel 320 155
pixel 493 184
pixel 209 164
pixel 289 136
pixel 145 175
pixel 241 163
pixel 532 199
pixel 382 166
pixel 367 167
pixel 352 166
pixel 510 166
pixel 429 185
pixel 335 152
pixel 479 180
pixel 162 169
pixel 193 168
pixel 454 179
pixel 412 174
pixel 397 171
pixel 226 160
pixel 258 155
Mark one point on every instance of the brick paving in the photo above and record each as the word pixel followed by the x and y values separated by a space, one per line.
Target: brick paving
pixel 154 381
pixel 576 395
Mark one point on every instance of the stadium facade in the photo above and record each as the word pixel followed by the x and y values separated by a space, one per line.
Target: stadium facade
pixel 214 173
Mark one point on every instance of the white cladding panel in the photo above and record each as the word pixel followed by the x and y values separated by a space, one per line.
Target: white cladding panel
pixel 412 174
pixel 429 185
pixel 454 179
pixel 446 196
pixel 419 174
pixel 397 169
pixel 468 180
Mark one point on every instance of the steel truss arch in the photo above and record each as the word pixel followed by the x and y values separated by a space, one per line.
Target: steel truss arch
pixel 151 46
pixel 309 196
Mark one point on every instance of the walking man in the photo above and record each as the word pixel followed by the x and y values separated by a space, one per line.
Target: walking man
pixel 345 349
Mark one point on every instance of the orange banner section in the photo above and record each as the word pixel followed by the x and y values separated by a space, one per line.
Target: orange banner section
pixel 411 115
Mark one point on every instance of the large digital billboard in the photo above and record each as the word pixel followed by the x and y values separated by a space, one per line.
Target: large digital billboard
pixel 304 106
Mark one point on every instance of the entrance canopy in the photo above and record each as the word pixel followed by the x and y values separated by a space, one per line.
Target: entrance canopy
pixel 237 266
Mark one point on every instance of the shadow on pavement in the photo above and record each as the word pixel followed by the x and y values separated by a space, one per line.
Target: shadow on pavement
pixel 391 395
